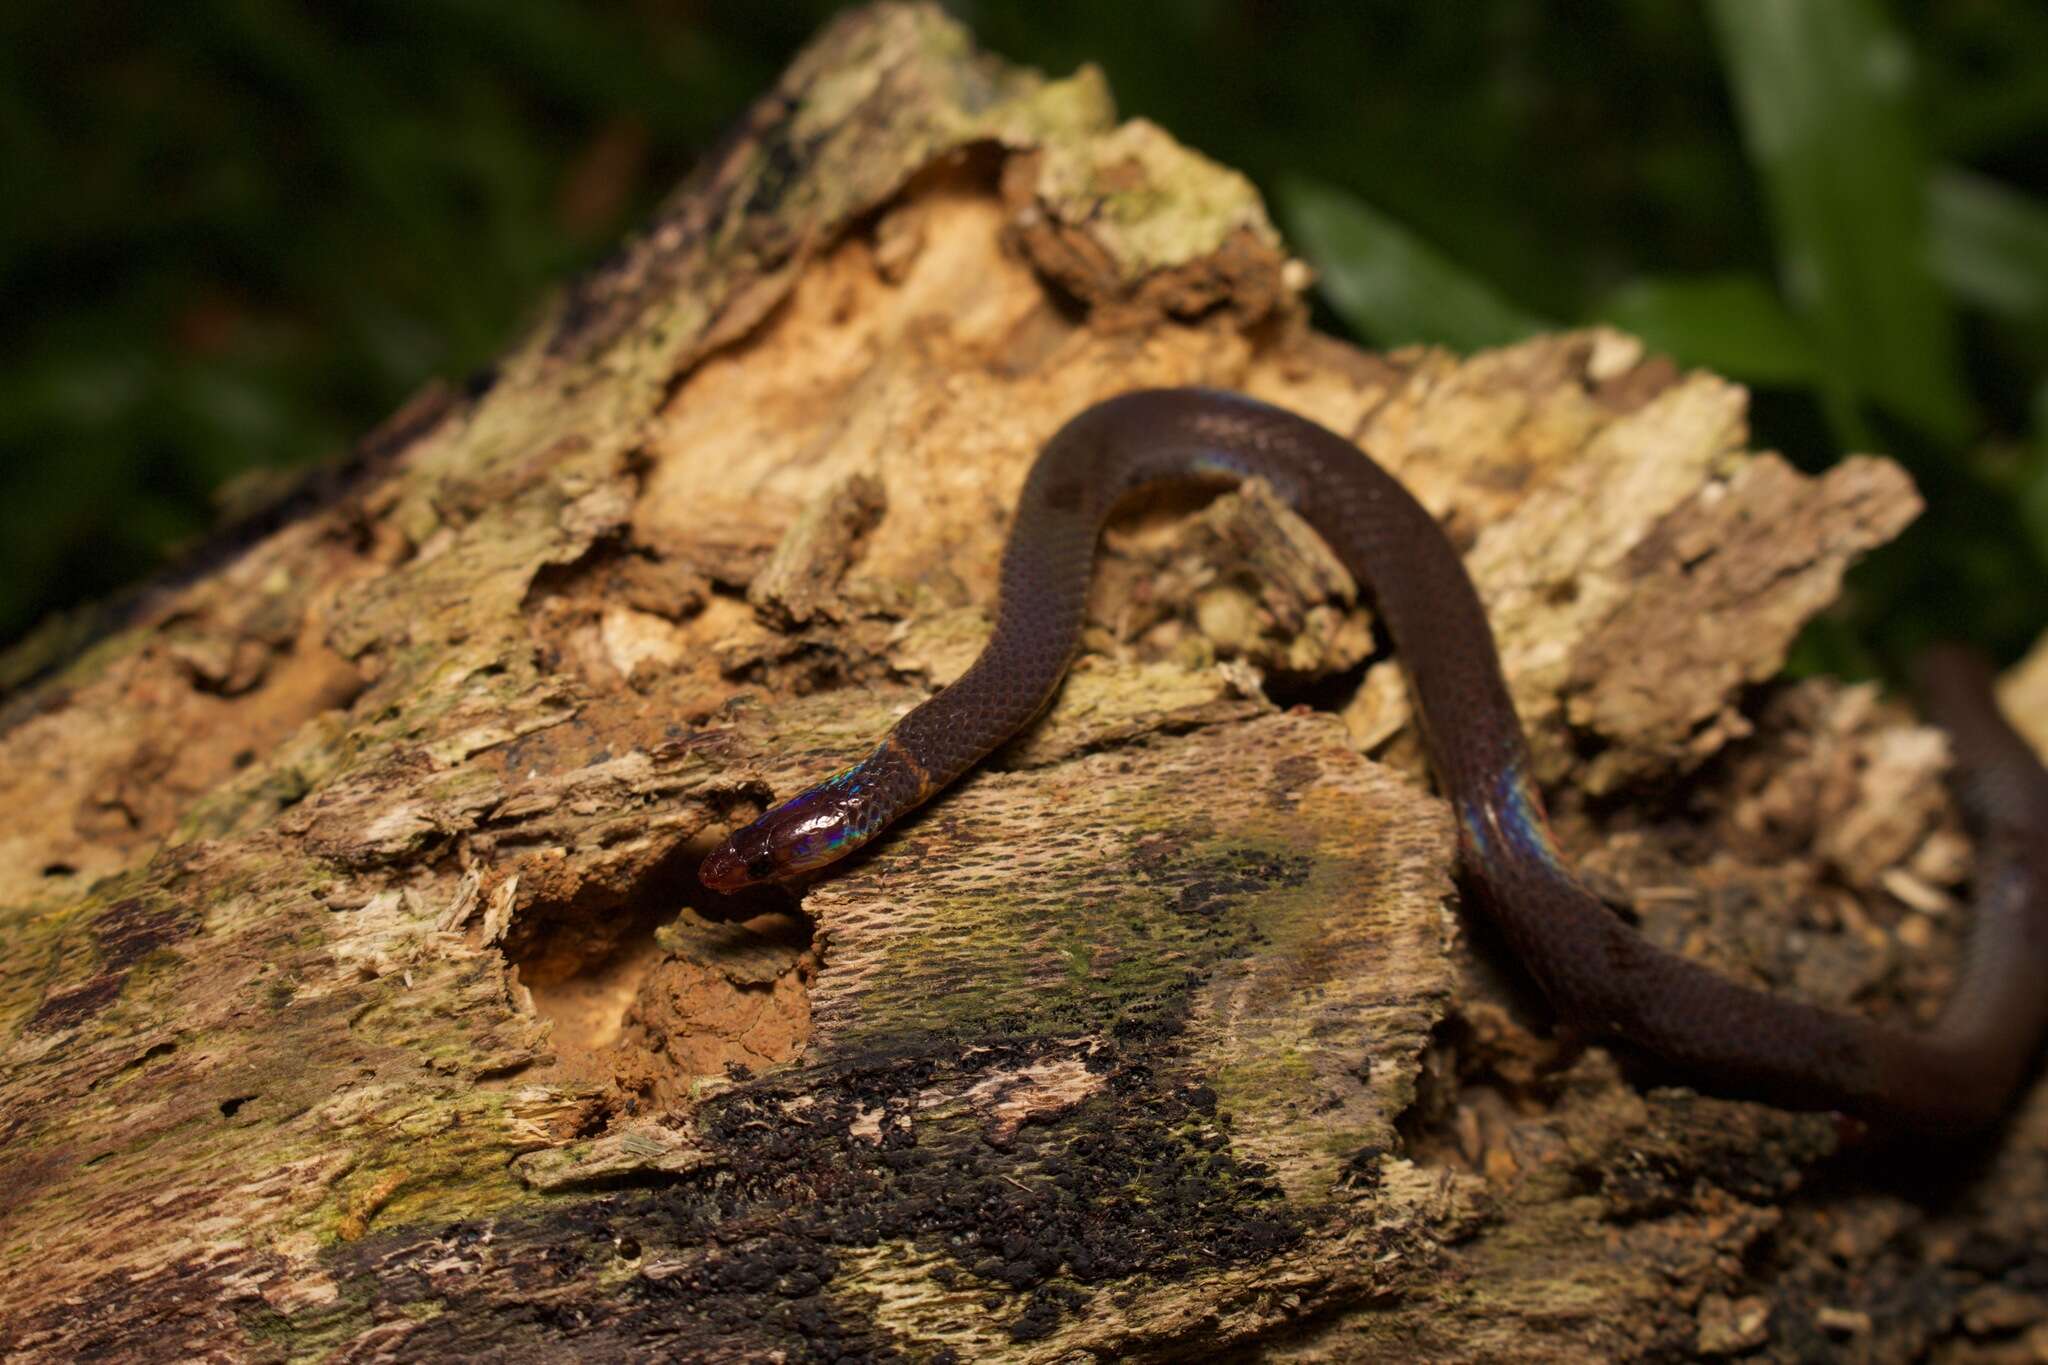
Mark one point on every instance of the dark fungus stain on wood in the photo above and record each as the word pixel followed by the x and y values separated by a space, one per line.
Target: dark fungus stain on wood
pixel 815 1169
pixel 123 934
pixel 1291 777
pixel 191 1299
pixel 133 927
pixel 741 1260
pixel 69 1008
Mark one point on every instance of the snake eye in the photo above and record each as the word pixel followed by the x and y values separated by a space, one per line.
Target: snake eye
pixel 761 868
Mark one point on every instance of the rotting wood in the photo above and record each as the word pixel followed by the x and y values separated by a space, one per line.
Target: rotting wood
pixel 355 990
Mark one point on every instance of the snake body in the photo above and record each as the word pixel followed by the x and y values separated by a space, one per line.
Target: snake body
pixel 1604 979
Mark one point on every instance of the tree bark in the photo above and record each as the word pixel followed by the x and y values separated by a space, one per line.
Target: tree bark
pixel 359 1000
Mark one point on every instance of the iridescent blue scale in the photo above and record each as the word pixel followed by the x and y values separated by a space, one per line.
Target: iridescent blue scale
pixel 1512 814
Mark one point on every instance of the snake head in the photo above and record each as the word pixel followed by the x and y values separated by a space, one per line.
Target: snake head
pixel 799 836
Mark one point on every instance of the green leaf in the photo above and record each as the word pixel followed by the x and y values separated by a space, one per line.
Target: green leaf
pixel 1733 324
pixel 1390 286
pixel 1821 87
pixel 1989 245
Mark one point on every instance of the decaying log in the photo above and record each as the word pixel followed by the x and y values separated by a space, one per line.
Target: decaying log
pixel 359 1001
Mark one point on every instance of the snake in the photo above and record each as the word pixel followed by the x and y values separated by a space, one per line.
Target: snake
pixel 1605 981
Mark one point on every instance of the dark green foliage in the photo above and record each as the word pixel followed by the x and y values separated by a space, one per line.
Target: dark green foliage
pixel 240 233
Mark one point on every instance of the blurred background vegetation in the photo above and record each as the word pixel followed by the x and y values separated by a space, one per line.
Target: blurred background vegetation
pixel 239 232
